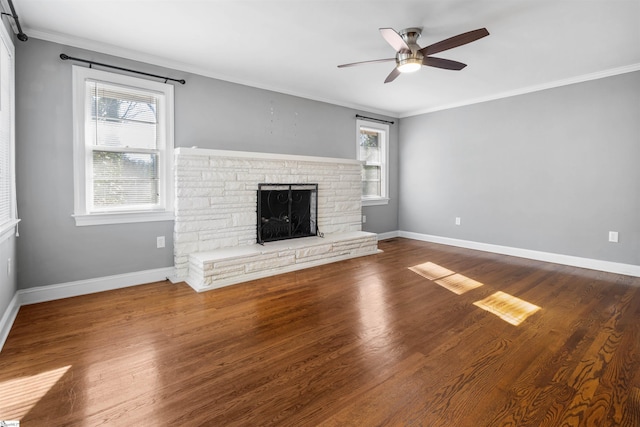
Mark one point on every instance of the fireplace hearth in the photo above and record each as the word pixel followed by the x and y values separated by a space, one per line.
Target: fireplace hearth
pixel 286 211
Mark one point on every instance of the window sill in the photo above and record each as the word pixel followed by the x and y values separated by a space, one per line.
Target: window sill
pixel 375 202
pixel 83 220
pixel 8 229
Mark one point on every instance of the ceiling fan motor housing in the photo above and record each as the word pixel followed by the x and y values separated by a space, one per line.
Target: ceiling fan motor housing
pixel 410 60
pixel 411 36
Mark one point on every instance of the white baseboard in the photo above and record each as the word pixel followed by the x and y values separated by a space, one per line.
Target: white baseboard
pixel 72 289
pixel 592 264
pixel 90 286
pixel 388 235
pixel 83 287
pixel 9 316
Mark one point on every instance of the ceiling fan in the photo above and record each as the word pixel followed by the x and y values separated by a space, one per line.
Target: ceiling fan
pixel 410 57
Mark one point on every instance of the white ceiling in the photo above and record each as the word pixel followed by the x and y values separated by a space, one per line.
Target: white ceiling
pixel 295 46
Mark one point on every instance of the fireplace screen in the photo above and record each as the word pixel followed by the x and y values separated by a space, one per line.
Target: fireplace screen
pixel 287 211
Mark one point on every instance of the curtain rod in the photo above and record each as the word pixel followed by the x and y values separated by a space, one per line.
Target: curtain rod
pixel 67 57
pixel 358 116
pixel 21 36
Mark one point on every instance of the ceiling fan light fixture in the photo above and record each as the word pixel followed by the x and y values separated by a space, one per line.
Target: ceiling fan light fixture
pixel 409 65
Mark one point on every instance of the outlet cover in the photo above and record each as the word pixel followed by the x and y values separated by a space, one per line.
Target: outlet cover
pixel 613 236
pixel 160 242
pixel 457 220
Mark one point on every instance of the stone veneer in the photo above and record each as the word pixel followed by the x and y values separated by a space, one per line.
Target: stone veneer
pixel 216 196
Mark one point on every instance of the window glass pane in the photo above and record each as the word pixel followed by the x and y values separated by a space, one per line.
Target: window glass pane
pixel 121 117
pixel 124 179
pixel 371 181
pixel 369 146
pixel 371 173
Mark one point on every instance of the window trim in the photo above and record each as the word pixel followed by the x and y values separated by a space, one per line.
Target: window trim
pixel 382 128
pixel 81 215
pixel 9 227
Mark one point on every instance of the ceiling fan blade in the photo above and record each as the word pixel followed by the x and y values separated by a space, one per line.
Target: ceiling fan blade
pixel 394 39
pixel 455 41
pixel 374 61
pixel 392 75
pixel 447 64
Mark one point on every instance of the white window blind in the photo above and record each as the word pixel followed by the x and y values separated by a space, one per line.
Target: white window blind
pixel 7 213
pixel 123 138
pixel 123 148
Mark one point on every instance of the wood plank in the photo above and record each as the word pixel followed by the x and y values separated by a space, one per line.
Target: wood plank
pixel 361 342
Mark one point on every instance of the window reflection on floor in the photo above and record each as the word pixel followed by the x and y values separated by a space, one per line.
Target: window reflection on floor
pixel 509 308
pixel 19 395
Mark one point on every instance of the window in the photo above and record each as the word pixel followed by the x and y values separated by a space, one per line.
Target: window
pixel 123 148
pixel 8 211
pixel 372 151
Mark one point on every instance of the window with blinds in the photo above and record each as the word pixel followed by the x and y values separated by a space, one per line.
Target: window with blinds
pixel 7 172
pixel 123 148
pixel 372 151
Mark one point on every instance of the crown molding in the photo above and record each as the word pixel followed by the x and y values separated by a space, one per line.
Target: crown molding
pixel 529 89
pixel 137 56
pixel 188 68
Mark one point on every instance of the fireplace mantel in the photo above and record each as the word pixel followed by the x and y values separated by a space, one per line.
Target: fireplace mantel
pixel 216 196
pixel 195 151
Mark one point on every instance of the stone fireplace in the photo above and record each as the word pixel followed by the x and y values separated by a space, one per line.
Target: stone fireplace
pixel 215 234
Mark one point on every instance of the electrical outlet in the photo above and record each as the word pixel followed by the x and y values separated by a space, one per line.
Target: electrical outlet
pixel 364 219
pixel 457 220
pixel 160 242
pixel 613 236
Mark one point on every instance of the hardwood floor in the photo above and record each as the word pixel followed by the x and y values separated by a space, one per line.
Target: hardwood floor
pixel 363 342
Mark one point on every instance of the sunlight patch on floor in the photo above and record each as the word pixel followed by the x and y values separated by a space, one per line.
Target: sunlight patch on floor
pixel 509 308
pixel 431 271
pixel 450 280
pixel 458 284
pixel 19 395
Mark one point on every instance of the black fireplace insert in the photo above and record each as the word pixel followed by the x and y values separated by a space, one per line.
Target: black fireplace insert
pixel 287 211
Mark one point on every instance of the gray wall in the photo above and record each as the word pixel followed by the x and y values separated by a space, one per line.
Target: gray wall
pixel 553 171
pixel 8 282
pixel 209 113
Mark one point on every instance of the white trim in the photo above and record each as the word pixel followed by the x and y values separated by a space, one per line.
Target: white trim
pixel 82 161
pixel 8 318
pixel 375 202
pixel 180 66
pixel 122 218
pixel 194 151
pixel 90 286
pixel 381 129
pixel 7 9
pixel 388 235
pixel 592 264
pixel 529 89
pixel 9 229
pixel 73 289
